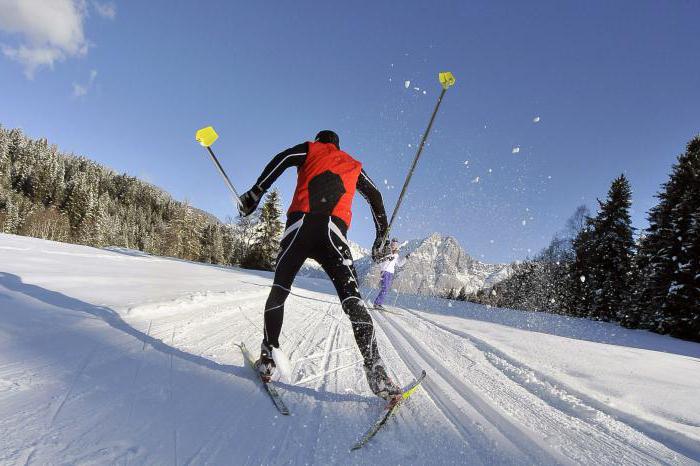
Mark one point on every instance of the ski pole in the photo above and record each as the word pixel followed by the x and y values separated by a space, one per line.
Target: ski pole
pixel 206 137
pixel 446 80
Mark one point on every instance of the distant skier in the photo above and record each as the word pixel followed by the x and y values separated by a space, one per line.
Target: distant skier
pixel 388 266
pixel 317 224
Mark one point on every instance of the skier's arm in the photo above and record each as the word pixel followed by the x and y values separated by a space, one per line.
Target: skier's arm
pixel 294 156
pixel 369 191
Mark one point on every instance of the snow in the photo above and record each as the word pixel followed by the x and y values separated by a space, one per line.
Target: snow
pixel 536 119
pixel 116 357
pixel 475 180
pixel 407 84
pixel 516 149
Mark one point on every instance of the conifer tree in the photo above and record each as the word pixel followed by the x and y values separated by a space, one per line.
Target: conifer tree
pixel 269 231
pixel 669 301
pixel 462 296
pixel 601 275
pixel 212 250
pixel 581 274
pixel 614 251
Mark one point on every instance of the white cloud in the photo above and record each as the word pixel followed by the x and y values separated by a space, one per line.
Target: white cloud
pixel 79 90
pixel 49 31
pixel 106 10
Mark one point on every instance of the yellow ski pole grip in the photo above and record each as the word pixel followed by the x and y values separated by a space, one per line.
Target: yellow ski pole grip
pixel 447 79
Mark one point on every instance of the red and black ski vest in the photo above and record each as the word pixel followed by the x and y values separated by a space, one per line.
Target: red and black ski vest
pixel 326 182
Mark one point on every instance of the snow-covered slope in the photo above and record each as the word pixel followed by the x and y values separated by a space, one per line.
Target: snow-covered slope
pixel 116 357
pixel 437 264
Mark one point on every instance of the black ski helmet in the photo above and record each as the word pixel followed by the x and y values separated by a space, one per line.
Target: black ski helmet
pixel 329 137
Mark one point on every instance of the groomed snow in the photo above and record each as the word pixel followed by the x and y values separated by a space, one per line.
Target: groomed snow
pixel 116 357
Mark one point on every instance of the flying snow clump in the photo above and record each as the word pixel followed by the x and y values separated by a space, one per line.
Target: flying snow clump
pixel 536 119
pixel 407 84
pixel 516 149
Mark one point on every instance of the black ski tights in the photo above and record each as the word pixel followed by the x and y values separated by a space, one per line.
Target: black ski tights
pixel 321 238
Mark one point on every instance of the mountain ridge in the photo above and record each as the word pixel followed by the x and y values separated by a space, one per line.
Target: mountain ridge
pixel 436 264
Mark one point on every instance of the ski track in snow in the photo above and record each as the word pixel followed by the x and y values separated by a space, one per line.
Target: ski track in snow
pixel 153 377
pixel 549 409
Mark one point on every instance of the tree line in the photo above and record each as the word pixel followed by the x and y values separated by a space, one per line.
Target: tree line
pixel 52 195
pixel 598 268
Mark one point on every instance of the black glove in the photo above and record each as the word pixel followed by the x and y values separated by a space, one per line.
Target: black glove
pixel 250 200
pixel 379 253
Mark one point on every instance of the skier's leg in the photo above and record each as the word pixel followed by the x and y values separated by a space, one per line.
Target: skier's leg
pixel 383 288
pixel 293 253
pixel 334 256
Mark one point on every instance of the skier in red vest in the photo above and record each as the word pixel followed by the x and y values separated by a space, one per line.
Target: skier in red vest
pixel 317 224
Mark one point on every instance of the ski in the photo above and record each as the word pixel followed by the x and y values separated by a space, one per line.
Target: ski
pixel 388 411
pixel 269 388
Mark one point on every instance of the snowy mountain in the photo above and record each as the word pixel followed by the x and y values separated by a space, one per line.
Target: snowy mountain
pixel 436 264
pixel 120 357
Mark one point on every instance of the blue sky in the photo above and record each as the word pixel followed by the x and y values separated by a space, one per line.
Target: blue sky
pixel 615 86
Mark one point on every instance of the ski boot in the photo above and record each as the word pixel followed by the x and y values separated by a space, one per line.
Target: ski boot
pixel 265 365
pixel 380 383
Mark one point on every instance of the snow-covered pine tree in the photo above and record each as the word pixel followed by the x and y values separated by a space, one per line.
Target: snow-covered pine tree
pixel 601 274
pixel 614 252
pixel 228 241
pixel 191 234
pixel 212 250
pixel 4 159
pixel 269 231
pixel 669 301
pixel 462 296
pixel 245 234
pixel 581 283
